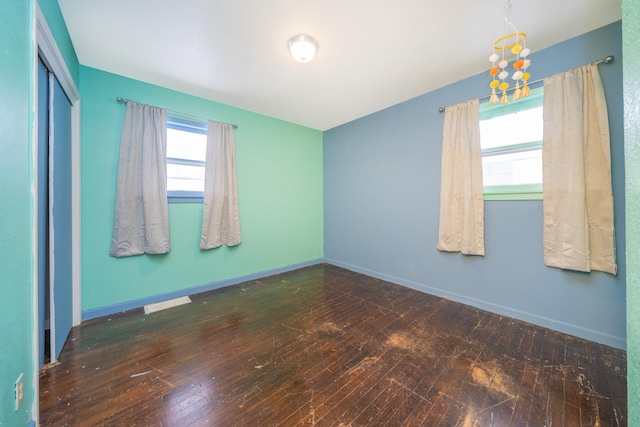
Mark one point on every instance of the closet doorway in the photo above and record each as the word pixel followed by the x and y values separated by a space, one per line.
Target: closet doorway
pixel 54 213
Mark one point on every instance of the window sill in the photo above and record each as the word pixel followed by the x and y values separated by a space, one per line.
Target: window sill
pixel 513 196
pixel 513 192
pixel 185 197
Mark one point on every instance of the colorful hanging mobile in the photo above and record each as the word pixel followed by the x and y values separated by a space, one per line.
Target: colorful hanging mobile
pixel 515 43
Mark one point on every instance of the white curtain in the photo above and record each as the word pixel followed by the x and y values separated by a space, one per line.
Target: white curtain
pixel 141 217
pixel 577 191
pixel 220 216
pixel 461 201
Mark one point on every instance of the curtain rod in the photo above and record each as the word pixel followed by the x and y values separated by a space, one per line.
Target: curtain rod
pixel 606 60
pixel 125 100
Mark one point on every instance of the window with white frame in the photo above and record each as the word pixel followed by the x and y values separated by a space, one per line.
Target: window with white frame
pixel 511 141
pixel 186 151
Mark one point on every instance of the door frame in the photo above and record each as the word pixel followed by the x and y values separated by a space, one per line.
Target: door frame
pixel 47 49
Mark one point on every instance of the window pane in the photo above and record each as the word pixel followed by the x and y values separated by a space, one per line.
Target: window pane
pixel 511 141
pixel 185 177
pixel 509 129
pixel 186 152
pixel 522 167
pixel 186 145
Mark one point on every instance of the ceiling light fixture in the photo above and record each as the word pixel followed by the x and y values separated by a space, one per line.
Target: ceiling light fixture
pixel 303 47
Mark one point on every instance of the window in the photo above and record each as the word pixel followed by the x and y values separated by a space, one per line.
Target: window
pixel 186 151
pixel 511 141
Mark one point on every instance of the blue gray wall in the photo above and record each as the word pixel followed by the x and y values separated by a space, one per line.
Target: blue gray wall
pixel 381 205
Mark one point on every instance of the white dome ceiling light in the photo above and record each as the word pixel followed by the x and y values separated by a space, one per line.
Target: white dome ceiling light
pixel 303 47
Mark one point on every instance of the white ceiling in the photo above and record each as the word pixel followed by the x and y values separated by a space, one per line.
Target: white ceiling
pixel 372 53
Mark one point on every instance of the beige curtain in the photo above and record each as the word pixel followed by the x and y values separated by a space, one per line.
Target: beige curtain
pixel 577 192
pixel 141 214
pixel 461 201
pixel 220 216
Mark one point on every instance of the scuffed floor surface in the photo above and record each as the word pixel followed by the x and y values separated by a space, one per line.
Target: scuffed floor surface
pixel 328 347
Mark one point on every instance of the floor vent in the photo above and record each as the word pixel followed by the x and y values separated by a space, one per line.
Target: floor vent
pixel 152 308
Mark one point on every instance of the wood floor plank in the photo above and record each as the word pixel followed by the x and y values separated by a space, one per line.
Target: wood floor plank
pixel 325 346
pixel 524 403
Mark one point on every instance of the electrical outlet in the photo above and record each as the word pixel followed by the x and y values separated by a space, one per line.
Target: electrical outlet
pixel 18 389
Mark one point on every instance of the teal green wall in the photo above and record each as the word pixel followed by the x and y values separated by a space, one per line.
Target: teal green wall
pixel 17 166
pixel 631 84
pixel 279 170
pixel 51 11
pixel 16 271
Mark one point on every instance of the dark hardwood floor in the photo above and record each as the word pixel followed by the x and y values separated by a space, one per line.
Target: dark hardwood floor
pixel 325 346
